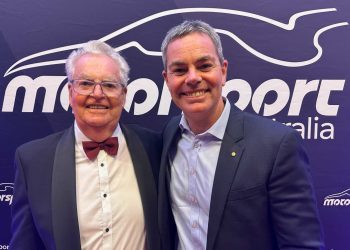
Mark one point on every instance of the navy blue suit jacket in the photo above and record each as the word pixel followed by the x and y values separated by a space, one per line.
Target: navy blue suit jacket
pixel 262 197
pixel 44 206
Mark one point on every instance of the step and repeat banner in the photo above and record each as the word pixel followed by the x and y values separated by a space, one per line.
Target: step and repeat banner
pixel 288 60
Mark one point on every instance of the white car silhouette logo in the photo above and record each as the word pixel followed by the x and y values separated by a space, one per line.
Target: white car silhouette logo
pixel 345 193
pixel 6 187
pixel 285 26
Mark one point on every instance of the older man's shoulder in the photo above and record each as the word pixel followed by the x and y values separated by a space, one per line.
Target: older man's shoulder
pixel 43 144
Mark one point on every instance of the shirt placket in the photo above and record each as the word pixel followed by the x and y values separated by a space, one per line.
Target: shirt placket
pixel 105 201
pixel 192 194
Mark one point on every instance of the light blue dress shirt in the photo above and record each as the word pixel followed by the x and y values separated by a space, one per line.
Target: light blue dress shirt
pixel 193 164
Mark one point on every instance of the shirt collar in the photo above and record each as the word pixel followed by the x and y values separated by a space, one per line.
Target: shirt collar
pixel 217 129
pixel 80 137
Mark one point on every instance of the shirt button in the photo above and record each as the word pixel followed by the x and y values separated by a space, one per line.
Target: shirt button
pixel 107 230
pixel 102 164
pixel 194 224
pixel 105 195
pixel 192 172
pixel 193 200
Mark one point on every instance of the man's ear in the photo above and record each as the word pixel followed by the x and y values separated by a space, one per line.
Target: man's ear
pixel 224 71
pixel 125 90
pixel 165 75
pixel 70 90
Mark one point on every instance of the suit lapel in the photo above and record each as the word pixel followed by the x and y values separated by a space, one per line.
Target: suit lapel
pixel 230 153
pixel 145 181
pixel 64 208
pixel 166 220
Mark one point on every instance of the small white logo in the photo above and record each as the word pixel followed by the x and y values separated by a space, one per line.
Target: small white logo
pixel 6 190
pixel 338 199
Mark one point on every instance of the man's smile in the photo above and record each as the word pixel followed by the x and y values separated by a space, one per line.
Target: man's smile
pixel 96 106
pixel 196 93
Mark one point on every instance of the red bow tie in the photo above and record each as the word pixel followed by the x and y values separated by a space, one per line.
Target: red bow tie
pixel 92 148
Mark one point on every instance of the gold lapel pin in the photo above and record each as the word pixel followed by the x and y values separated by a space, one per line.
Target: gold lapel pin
pixel 233 154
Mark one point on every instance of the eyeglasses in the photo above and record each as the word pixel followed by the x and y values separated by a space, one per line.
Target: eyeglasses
pixel 87 87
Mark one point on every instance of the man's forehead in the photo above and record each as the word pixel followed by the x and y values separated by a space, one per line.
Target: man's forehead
pixel 187 44
pixel 96 66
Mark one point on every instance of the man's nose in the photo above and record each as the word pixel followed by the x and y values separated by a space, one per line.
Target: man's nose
pixel 98 91
pixel 193 76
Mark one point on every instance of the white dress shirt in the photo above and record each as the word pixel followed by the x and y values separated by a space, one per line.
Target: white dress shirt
pixel 110 212
pixel 193 163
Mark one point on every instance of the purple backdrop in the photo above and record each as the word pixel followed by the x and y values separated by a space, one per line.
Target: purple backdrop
pixel 288 60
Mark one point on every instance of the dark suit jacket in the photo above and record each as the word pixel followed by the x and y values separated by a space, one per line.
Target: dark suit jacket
pixel 262 198
pixel 44 206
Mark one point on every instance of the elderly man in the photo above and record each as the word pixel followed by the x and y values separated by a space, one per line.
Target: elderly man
pixel 93 185
pixel 228 179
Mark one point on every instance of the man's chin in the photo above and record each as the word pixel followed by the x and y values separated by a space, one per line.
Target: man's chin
pixel 199 109
pixel 99 123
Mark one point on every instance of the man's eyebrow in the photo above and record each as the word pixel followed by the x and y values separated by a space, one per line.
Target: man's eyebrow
pixel 205 58
pixel 105 79
pixel 83 76
pixel 176 63
pixel 199 60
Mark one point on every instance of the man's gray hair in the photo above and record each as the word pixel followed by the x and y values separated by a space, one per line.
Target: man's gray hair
pixel 186 28
pixel 98 47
